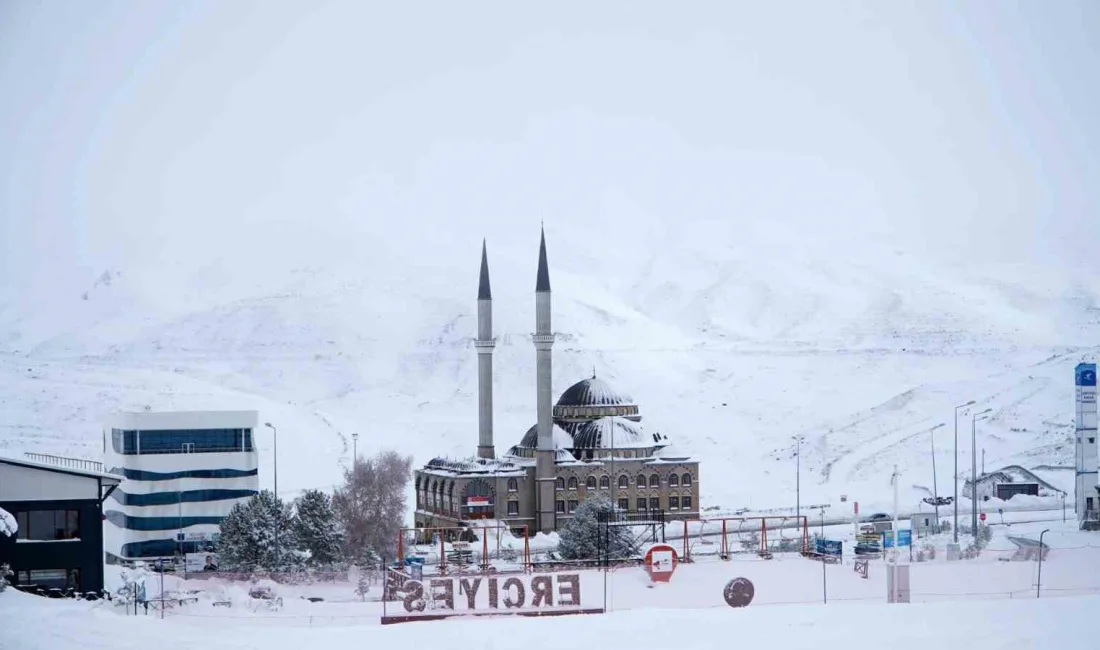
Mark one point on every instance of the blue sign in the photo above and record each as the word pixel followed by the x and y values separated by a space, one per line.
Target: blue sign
pixel 828 547
pixel 411 560
pixel 905 538
pixel 1086 374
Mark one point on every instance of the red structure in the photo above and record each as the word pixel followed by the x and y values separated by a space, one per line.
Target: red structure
pixel 752 525
pixel 451 534
pixel 660 562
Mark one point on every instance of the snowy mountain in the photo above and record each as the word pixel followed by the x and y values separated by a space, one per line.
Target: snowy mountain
pixel 758 228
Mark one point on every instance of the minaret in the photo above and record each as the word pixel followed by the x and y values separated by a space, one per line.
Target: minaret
pixel 544 340
pixel 484 345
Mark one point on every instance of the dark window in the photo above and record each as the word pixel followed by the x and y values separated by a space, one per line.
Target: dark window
pixel 674 503
pixel 559 483
pixel 188 496
pixel 48 525
pixel 654 503
pixel 624 504
pixel 1091 440
pixel 513 485
pixel 180 441
pixel 605 483
pixel 573 503
pixel 641 481
pixel 572 482
pixel 685 480
pixel 50 578
pixel 624 482
pixel 673 480
pixel 590 482
pixel 685 503
pixel 513 508
pixel 654 480
pixel 559 507
pixel 143 475
pixel 641 503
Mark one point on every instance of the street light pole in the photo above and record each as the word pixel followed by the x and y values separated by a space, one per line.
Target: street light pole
pixel 797 477
pixel 935 487
pixel 279 510
pixel 1039 581
pixel 974 471
pixel 355 449
pixel 955 527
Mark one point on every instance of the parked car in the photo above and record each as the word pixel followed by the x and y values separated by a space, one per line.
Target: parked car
pixel 879 516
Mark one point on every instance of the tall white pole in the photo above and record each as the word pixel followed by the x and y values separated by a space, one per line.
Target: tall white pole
pixel 894 565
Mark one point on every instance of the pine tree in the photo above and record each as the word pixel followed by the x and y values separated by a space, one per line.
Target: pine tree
pixel 248 540
pixel 580 538
pixel 317 531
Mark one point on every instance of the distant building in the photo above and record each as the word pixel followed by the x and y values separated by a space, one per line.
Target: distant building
pixel 183 472
pixel 1087 488
pixel 57 504
pixel 1009 481
pixel 590 442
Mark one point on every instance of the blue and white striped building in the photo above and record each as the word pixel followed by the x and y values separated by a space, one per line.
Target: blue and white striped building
pixel 183 471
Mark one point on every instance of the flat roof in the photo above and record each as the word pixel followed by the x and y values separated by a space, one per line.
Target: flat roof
pixel 61 469
pixel 154 420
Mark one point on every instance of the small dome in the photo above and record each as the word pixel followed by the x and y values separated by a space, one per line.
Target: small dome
pixel 612 432
pixel 562 439
pixel 593 392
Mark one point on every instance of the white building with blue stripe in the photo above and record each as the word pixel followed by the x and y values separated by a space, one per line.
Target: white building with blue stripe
pixel 183 471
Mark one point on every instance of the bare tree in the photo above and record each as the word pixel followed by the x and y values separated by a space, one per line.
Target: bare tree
pixel 371 506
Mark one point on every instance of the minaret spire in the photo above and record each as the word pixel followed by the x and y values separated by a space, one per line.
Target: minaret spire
pixel 484 343
pixel 545 455
pixel 542 282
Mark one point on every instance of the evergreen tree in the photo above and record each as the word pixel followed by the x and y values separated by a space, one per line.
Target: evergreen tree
pixel 580 538
pixel 370 506
pixel 316 529
pixel 248 537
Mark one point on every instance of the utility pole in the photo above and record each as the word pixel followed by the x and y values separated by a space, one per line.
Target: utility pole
pixel 1039 580
pixel 278 509
pixel 355 449
pixel 983 461
pixel 797 477
pixel 974 471
pixel 894 563
pixel 935 487
pixel 955 527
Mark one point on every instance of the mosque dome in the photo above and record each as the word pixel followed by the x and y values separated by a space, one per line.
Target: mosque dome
pixel 613 433
pixel 562 439
pixel 593 398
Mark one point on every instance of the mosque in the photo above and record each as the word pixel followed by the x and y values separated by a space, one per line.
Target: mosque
pixel 590 442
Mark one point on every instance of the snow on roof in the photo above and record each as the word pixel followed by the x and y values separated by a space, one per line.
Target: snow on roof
pixel 593 392
pixel 530 440
pixel 614 432
pixel 1013 474
pixel 55 467
pixel 468 466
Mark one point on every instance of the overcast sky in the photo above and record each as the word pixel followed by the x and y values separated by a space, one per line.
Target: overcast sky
pixel 132 133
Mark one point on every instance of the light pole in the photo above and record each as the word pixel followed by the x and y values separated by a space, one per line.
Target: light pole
pixel 797 477
pixel 935 488
pixel 1039 580
pixel 955 526
pixel 974 471
pixel 278 509
pixel 355 448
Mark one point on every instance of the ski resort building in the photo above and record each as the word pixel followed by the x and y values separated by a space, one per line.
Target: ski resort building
pixel 183 472
pixel 1087 461
pixel 590 442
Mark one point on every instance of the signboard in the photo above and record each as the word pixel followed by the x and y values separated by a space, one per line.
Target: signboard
pixel 856 504
pixel 660 562
pixel 199 562
pixel 416 572
pixel 982 516
pixel 905 538
pixel 829 547
pixel 477 502
pixel 521 594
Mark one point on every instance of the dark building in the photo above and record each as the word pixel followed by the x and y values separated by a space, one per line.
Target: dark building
pixel 58 506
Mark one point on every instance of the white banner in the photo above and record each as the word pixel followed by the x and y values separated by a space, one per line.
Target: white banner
pixel 524 594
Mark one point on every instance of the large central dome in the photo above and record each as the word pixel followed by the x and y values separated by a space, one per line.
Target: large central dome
pixel 593 392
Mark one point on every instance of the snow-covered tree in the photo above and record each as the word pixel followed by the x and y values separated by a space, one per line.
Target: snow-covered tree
pixel 248 539
pixel 370 506
pixel 317 530
pixel 133 588
pixel 8 525
pixel 580 538
pixel 5 573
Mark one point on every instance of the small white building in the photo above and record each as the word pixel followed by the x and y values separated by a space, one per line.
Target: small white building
pixel 183 472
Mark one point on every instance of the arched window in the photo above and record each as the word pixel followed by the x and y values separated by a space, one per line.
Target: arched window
pixel 641 481
pixel 685 480
pixel 624 482
pixel 572 482
pixel 559 483
pixel 451 497
pixel 590 482
pixel 605 482
pixel 434 497
pixel 513 485
pixel 673 480
pixel 654 480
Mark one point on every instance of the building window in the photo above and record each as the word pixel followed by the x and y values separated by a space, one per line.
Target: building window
pixel 624 482
pixel 513 485
pixel 590 482
pixel 674 503
pixel 654 480
pixel 673 480
pixel 513 508
pixel 180 441
pixel 641 503
pixel 572 482
pixel 685 480
pixel 605 482
pixel 559 483
pixel 48 525
pixel 50 578
pixel 624 504
pixel 573 503
pixel 1091 440
pixel 685 503
pixel 559 507
pixel 641 481
pixel 654 503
